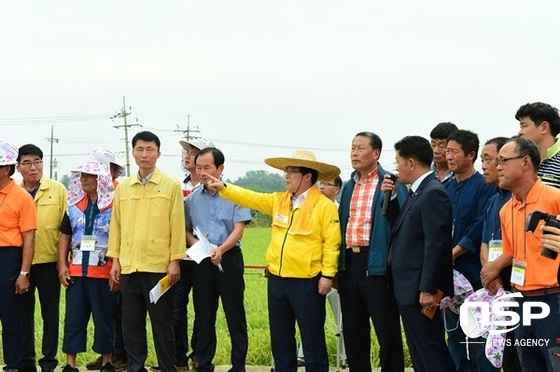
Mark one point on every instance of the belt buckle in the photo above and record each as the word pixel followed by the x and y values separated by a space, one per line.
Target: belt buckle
pixel 355 249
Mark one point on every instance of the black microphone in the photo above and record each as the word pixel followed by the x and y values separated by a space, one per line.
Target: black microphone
pixel 387 197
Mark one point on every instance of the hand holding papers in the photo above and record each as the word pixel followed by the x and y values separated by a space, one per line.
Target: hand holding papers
pixel 202 248
pixel 160 288
pixel 198 251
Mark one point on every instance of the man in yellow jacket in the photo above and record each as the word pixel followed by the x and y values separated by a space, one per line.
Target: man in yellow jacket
pixel 146 241
pixel 302 256
pixel 50 204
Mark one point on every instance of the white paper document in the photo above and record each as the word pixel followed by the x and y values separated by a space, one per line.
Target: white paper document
pixel 201 249
pixel 159 289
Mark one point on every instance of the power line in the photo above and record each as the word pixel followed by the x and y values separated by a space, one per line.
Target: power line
pixel 49 120
pixel 191 132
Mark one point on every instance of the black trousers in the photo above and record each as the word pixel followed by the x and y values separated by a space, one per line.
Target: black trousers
pixel 363 297
pixel 10 307
pixel 44 278
pixel 135 289
pixel 426 340
pixel 209 286
pixel 181 291
pixel 119 342
pixel 291 300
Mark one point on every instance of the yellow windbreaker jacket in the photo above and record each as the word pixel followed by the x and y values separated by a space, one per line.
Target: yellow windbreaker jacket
pixel 147 228
pixel 304 241
pixel 50 203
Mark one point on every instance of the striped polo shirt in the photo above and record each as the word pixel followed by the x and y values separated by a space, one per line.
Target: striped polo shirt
pixel 549 169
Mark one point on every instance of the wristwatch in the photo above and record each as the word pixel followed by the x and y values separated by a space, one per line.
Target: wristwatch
pixel 25 273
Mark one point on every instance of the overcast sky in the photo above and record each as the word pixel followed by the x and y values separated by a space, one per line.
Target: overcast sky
pixel 263 78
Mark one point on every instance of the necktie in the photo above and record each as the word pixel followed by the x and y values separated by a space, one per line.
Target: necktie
pixel 408 198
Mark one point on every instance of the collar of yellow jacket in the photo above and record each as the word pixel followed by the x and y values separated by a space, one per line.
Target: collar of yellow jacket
pixel 301 224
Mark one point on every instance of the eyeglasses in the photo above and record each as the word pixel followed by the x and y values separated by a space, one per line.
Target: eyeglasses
pixel 291 170
pixel 28 164
pixel 501 160
pixel 327 184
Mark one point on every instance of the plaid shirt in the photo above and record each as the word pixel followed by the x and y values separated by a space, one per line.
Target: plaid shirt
pixel 360 219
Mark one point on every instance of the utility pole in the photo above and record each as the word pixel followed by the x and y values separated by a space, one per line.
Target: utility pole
pixel 187 134
pixel 52 160
pixel 123 114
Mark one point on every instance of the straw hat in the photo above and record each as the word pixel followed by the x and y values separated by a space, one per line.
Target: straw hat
pixel 305 158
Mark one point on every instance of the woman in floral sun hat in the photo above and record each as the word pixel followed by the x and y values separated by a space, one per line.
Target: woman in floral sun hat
pixel 85 272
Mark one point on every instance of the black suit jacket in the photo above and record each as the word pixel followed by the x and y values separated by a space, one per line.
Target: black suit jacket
pixel 421 257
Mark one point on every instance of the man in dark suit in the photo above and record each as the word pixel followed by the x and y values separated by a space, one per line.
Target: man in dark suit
pixel 420 253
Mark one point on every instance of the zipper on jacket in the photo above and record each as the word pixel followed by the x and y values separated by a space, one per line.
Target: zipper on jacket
pixel 284 242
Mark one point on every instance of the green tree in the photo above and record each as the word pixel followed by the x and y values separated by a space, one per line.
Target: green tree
pixel 261 181
pixel 65 180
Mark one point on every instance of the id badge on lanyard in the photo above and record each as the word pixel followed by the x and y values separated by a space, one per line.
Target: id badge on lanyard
pixel 88 243
pixel 518 270
pixel 495 249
